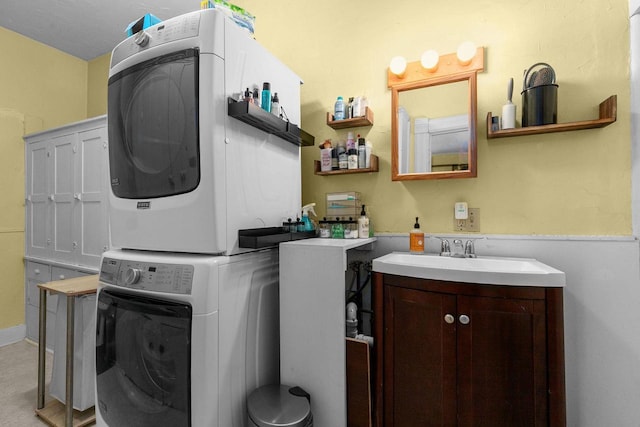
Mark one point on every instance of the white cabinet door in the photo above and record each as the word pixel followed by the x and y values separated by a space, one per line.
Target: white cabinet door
pixel 37 205
pixel 64 148
pixel 90 213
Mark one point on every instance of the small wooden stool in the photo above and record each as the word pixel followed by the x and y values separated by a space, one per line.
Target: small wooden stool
pixel 55 413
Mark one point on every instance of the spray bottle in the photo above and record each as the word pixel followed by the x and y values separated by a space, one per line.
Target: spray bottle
pixel 307 223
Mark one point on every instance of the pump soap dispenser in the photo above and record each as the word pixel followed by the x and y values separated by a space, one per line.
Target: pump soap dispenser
pixel 363 224
pixel 416 239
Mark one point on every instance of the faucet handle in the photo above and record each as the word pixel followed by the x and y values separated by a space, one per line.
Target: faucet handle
pixel 445 249
pixel 469 249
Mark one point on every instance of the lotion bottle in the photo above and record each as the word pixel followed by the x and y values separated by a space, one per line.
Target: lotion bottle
pixel 416 239
pixel 363 224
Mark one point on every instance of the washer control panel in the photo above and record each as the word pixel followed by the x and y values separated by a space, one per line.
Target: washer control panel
pixel 157 277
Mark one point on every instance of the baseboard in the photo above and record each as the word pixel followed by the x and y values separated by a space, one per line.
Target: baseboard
pixel 11 335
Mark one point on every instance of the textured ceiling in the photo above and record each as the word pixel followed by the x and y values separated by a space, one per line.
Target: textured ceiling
pixel 83 28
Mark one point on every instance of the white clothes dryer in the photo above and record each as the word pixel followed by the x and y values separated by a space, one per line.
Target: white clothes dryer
pixel 184 175
pixel 183 339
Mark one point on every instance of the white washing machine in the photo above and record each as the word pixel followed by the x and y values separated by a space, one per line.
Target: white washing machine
pixel 183 339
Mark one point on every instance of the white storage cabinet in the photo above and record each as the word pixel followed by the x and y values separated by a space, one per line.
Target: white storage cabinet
pixel 66 223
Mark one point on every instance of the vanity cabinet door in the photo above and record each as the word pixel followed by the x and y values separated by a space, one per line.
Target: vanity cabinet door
pixel 502 362
pixel 419 358
pixel 462 355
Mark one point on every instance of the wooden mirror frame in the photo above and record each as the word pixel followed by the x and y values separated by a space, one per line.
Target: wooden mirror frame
pixel 416 77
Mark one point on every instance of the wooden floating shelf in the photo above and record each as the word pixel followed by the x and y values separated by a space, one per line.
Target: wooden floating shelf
pixel 608 115
pixel 373 168
pixel 366 120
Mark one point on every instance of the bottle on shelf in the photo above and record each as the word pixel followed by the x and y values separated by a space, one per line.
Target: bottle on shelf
pixel 275 105
pixel 342 156
pixel 362 154
pixel 338 113
pixel 266 97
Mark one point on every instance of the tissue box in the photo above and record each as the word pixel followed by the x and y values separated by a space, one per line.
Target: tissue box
pixel 145 22
pixel 344 205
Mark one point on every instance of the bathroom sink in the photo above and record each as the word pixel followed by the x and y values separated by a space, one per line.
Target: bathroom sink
pixel 488 270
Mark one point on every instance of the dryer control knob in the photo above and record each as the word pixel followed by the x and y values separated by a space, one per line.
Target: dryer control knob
pixel 131 276
pixel 141 38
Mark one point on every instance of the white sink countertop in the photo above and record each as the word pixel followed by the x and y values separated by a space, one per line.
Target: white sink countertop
pixel 485 270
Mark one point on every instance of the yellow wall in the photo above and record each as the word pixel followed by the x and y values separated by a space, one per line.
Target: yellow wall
pixel 573 183
pixel 97 85
pixel 568 183
pixel 40 88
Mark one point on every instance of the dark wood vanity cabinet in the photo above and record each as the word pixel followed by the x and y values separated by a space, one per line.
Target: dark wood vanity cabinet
pixel 459 354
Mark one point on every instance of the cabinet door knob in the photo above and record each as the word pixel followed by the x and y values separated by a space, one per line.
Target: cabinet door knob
pixel 37 271
pixel 464 319
pixel 449 318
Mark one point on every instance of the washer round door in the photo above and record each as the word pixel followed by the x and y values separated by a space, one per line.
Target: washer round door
pixel 143 361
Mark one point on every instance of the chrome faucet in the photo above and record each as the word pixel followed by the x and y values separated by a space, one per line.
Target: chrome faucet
pixel 445 249
pixel 458 249
pixel 469 249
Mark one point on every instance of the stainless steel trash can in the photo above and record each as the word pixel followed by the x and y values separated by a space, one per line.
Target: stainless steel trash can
pixel 279 406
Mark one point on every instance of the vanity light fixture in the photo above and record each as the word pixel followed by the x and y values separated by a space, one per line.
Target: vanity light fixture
pixel 398 65
pixel 429 60
pixel 465 53
pixel 431 65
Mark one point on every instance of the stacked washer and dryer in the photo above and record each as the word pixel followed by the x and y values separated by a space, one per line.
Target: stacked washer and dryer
pixel 187 321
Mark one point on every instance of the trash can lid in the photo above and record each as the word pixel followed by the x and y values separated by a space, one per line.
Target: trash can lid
pixel 274 405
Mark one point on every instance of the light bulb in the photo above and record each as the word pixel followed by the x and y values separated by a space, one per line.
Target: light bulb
pixel 398 65
pixel 466 52
pixel 430 59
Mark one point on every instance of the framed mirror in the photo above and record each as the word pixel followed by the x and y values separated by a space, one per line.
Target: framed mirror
pixel 433 121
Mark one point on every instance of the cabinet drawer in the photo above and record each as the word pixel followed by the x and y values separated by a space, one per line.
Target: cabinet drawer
pixel 60 273
pixel 38 271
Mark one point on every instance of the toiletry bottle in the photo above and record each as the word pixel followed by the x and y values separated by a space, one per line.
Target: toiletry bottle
pixel 352 159
pixel 368 148
pixel 363 224
pixel 266 97
pixel 334 159
pixel 509 109
pixel 356 107
pixel 342 156
pixel 416 239
pixel 248 96
pixel 275 105
pixel 349 113
pixel 338 113
pixel 351 142
pixel 362 154
pixel 256 96
pixel 307 223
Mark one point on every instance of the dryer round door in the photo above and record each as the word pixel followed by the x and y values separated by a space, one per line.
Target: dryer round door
pixel 143 358
pixel 153 127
